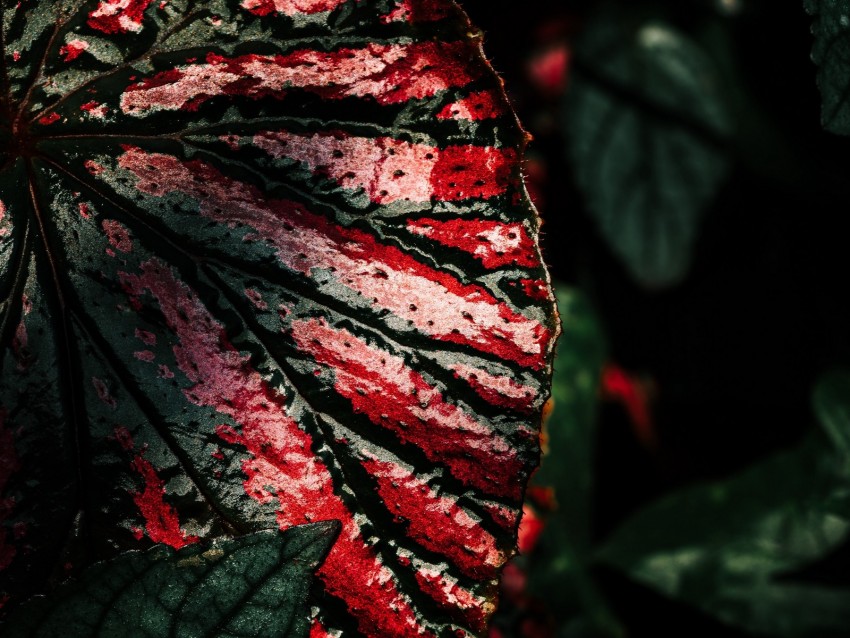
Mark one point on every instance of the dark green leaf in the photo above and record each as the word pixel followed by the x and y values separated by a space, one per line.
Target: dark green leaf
pixel 831 53
pixel 251 587
pixel 557 569
pixel 728 547
pixel 567 465
pixel 646 126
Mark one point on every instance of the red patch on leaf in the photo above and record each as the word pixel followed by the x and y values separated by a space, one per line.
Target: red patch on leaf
pixel 256 298
pixel 95 109
pixel 148 338
pixel 93 167
pixel 497 390
pixel 455 534
pixel 505 517
pixel 413 11
pixel 118 16
pixel 317 630
pixel 390 170
pixel 473 171
pixel 493 243
pixel 123 437
pixel 483 105
pixel 103 392
pixel 387 73
pixel 535 288
pixel 453 598
pixel 118 235
pixel 290 7
pixel 161 522
pixel 47 120
pixel 20 349
pixel 73 49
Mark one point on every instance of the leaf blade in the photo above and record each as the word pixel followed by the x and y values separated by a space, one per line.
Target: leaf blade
pixel 731 547
pixel 254 585
pixel 646 129
pixel 216 285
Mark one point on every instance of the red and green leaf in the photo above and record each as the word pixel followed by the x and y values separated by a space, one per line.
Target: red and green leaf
pixel 267 264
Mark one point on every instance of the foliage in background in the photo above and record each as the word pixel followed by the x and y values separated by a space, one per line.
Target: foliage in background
pixel 730 548
pixel 647 131
pixel 761 550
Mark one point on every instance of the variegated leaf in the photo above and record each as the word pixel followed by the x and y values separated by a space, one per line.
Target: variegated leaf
pixel 267 263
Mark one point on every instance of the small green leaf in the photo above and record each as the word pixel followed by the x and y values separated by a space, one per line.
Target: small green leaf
pixel 831 52
pixel 256 586
pixel 728 547
pixel 646 126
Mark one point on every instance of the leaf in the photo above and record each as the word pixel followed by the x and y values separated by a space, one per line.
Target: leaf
pixel 567 465
pixel 261 264
pixel 729 547
pixel 831 400
pixel 646 128
pixel 558 571
pixel 255 586
pixel 831 53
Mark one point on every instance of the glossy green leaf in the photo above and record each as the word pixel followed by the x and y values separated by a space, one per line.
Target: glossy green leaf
pixel 646 124
pixel 831 53
pixel 254 586
pixel 728 547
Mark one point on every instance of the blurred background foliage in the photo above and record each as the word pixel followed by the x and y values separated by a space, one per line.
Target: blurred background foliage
pixel 696 475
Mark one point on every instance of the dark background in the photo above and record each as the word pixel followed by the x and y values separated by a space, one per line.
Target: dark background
pixel 734 350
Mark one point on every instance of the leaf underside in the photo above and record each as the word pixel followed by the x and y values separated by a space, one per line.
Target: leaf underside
pixel 267 264
pixel 253 587
pixel 646 127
